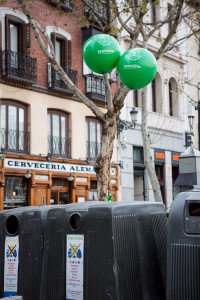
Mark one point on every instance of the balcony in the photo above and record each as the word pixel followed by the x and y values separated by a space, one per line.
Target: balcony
pixel 14 141
pixel 56 83
pixel 59 146
pixel 18 67
pixel 92 150
pixel 97 8
pixel 94 87
pixel 64 4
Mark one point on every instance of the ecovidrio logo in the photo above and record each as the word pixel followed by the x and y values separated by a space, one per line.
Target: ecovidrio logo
pixel 104 40
pixel 133 56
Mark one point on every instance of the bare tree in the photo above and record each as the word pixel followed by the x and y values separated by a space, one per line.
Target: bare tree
pixel 128 16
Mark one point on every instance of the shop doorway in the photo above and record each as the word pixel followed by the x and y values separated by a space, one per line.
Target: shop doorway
pixel 41 195
pixel 60 191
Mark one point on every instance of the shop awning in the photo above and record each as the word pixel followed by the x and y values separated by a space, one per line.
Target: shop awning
pixel 186 179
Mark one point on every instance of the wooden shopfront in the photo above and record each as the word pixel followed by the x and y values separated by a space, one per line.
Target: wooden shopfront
pixel 31 180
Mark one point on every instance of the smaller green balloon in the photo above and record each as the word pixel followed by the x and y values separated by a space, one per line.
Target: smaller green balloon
pixel 137 67
pixel 101 53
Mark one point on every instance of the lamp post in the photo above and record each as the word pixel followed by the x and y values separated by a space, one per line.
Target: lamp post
pixel 123 125
pixel 189 135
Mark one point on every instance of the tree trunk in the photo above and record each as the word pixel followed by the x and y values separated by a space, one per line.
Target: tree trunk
pixel 147 154
pixel 102 164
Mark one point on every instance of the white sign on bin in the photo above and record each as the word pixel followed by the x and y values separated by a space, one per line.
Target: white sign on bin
pixel 74 267
pixel 11 260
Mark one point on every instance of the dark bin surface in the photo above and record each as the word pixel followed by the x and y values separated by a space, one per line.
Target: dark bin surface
pixel 28 224
pixel 124 250
pixel 183 257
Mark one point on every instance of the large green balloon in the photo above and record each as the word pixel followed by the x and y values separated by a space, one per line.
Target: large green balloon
pixel 137 68
pixel 101 53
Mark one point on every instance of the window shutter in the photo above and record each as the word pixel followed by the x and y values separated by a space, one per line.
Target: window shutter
pixel 28 39
pixel 69 53
pixel 64 54
pixel 22 38
pixel 53 39
pixel 0 36
pixel 7 33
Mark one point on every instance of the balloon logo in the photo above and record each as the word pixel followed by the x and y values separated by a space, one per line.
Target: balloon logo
pixel 137 68
pixel 101 53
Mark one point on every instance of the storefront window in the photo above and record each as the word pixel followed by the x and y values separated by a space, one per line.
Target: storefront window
pixel 60 191
pixel 93 190
pixel 15 192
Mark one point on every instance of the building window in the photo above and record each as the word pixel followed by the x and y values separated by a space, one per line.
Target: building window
pixel 138 155
pixel 138 170
pixel 13 131
pixel 169 7
pixel 60 191
pixel 63 55
pixel 59 143
pixel 17 36
pixel 173 98
pixel 62 48
pixel 156 94
pixel 65 4
pixel 93 138
pixel 97 9
pixel 154 12
pixel 15 192
pixel 15 60
pixel 137 98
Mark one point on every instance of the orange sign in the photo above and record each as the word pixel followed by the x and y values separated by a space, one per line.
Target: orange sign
pixel 160 155
pixel 175 157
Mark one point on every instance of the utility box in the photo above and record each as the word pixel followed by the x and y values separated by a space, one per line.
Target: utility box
pixel 105 251
pixel 22 244
pixel 183 257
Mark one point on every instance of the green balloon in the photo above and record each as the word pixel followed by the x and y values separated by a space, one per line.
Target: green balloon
pixel 137 67
pixel 101 53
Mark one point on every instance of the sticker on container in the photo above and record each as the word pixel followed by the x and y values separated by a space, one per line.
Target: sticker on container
pixel 11 261
pixel 74 267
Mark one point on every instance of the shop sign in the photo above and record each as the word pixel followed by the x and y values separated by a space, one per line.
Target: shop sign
pixel 11 260
pixel 81 179
pixel 175 158
pixel 50 166
pixel 41 177
pixel 74 267
pixel 47 166
pixel 159 155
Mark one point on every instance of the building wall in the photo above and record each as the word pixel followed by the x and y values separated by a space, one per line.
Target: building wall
pixel 165 132
pixel 46 176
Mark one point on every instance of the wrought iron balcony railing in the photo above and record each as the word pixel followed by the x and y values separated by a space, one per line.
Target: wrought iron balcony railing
pixel 18 67
pixel 14 140
pixel 65 4
pixel 92 150
pixel 55 82
pixel 95 87
pixel 59 146
pixel 99 8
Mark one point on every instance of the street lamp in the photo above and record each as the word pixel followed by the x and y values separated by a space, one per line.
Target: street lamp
pixel 190 134
pixel 123 125
pixel 191 115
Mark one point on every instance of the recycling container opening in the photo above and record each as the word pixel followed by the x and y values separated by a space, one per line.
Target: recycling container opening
pixel 194 209
pixel 75 221
pixel 12 225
